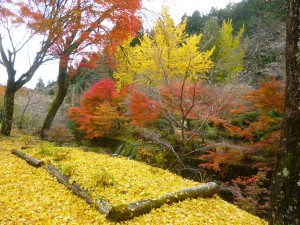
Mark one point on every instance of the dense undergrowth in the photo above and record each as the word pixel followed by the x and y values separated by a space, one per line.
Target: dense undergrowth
pixel 32 196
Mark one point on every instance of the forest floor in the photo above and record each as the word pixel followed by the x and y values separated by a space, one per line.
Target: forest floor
pixel 30 195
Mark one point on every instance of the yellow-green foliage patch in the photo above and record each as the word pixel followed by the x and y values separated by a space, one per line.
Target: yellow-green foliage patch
pixel 32 196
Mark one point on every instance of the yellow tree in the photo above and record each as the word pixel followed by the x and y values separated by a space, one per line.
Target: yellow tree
pixel 166 57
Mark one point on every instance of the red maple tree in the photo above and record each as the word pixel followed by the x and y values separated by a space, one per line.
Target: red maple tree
pixel 100 109
pixel 69 31
pixel 88 26
pixel 258 135
pixel 143 110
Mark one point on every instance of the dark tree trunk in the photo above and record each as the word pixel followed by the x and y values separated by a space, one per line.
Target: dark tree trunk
pixel 63 84
pixel 13 84
pixel 285 191
pixel 8 111
pixel 9 97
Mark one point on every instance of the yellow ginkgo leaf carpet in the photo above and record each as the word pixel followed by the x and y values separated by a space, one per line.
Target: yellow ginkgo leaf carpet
pixel 32 196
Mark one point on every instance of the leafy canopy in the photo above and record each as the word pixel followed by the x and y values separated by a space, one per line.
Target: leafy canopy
pixel 166 55
pixel 99 110
pixel 143 110
pixel 229 53
pixel 75 28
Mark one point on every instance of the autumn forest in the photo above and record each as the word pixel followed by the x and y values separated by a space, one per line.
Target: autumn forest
pixel 189 123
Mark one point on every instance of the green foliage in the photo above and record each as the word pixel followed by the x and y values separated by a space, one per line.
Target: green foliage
pixel 252 13
pixel 67 169
pixel 210 34
pixel 51 88
pixel 243 120
pixel 40 85
pixel 229 54
pixel 73 127
pixel 47 149
pixel 129 150
pixel 195 23
pixel 159 159
pixel 105 178
pixel 264 29
pixel 152 155
pixel 266 56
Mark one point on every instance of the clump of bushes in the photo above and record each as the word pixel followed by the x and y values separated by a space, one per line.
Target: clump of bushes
pixel 252 194
pixel 60 135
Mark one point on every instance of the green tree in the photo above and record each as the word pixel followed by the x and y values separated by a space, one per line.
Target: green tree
pixel 40 85
pixel 229 54
pixel 195 23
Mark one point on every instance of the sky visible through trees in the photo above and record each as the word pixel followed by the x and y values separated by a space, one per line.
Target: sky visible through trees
pixel 152 8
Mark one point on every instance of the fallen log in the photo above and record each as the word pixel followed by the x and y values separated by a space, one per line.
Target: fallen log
pixel 66 181
pixel 28 158
pixel 128 211
pixel 101 205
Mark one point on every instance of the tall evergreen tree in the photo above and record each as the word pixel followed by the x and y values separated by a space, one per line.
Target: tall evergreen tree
pixel 40 85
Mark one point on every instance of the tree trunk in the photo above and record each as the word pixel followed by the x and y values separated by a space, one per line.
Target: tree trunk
pixel 63 83
pixel 8 111
pixel 13 85
pixel 285 190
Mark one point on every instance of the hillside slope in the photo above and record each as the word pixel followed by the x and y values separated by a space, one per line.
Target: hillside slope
pixel 32 196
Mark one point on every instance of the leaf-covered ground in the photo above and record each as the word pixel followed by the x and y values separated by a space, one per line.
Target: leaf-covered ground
pixel 32 196
pixel 118 180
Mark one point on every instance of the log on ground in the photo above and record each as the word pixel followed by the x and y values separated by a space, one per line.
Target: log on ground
pixel 128 211
pixel 66 181
pixel 28 158
pixel 102 205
